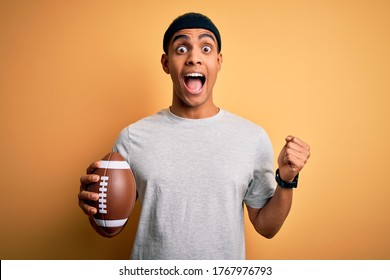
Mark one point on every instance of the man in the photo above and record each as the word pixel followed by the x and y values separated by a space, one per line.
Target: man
pixel 196 164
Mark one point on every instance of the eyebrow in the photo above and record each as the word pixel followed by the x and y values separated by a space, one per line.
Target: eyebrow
pixel 185 37
pixel 206 35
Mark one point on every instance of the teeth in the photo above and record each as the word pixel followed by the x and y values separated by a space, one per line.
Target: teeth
pixel 194 75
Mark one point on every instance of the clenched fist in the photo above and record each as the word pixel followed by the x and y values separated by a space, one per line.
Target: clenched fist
pixel 292 158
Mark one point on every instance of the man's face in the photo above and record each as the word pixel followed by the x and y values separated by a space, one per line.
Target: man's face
pixel 193 63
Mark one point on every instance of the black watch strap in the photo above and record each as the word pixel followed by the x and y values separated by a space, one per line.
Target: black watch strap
pixel 284 184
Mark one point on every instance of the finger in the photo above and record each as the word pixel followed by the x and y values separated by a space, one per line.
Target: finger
pixel 289 138
pixel 92 167
pixel 298 148
pixel 294 163
pixel 89 179
pixel 87 209
pixel 85 196
pixel 292 153
pixel 298 152
pixel 292 158
pixel 299 142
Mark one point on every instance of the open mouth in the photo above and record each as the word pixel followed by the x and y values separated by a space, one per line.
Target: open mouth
pixel 194 82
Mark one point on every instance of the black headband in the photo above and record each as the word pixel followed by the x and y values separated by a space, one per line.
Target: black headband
pixel 188 21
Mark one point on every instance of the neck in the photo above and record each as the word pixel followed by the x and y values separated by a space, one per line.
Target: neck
pixel 194 112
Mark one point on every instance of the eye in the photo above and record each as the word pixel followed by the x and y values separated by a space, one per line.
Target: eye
pixel 181 50
pixel 206 49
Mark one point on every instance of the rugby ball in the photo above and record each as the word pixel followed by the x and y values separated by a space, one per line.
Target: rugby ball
pixel 117 195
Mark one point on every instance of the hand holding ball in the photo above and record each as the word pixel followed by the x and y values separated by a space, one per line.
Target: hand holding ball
pixel 117 194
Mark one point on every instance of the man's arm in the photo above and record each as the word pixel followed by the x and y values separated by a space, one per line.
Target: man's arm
pixel 269 219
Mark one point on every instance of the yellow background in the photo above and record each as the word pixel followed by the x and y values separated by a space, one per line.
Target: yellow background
pixel 74 73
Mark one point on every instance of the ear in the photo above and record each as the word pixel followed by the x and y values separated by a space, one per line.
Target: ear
pixel 165 62
pixel 219 61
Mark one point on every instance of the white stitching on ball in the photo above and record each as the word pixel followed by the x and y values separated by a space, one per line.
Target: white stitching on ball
pixel 103 194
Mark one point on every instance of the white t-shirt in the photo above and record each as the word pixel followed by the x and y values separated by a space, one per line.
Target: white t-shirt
pixel 193 177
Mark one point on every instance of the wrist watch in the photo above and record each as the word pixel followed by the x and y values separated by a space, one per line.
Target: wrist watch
pixel 286 185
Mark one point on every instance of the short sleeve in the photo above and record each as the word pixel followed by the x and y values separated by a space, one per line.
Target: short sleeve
pixel 262 186
pixel 122 144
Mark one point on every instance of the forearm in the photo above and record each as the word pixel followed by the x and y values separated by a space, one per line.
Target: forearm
pixel 271 217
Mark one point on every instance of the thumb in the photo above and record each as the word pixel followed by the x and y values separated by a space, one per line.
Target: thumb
pixel 289 138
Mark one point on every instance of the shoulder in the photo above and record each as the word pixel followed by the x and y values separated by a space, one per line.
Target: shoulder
pixel 140 129
pixel 249 133
pixel 152 120
pixel 244 126
pixel 146 123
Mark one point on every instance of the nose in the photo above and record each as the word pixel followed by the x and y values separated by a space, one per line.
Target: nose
pixel 194 58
